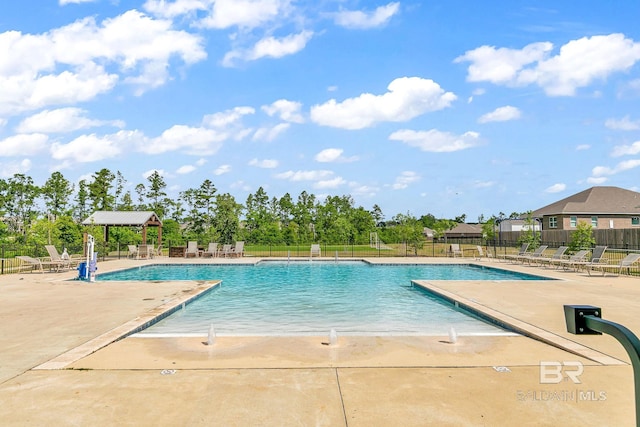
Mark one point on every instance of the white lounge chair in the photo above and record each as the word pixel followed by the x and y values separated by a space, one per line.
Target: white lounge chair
pixel 133 251
pixel 64 262
pixel 39 264
pixel 597 257
pixel 315 250
pixel 192 250
pixel 227 250
pixel 454 250
pixel 481 253
pixel 237 250
pixel 529 258
pixel 570 262
pixel 521 252
pixel 211 251
pixel 557 255
pixel 626 262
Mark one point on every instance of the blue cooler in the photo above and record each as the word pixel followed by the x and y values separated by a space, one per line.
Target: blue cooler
pixel 82 270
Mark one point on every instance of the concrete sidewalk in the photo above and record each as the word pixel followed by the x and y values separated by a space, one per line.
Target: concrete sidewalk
pixel 276 381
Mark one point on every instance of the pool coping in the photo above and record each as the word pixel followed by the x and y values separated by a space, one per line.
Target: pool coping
pixel 505 321
pixel 519 326
pixel 128 328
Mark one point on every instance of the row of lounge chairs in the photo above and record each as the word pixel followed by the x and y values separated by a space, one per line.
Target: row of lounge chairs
pixel 577 261
pixel 54 262
pixel 212 250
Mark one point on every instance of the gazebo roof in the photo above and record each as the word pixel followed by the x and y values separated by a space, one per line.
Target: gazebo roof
pixel 123 218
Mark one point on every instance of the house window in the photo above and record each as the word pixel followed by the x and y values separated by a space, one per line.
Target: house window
pixel 573 221
pixel 594 221
pixel 635 220
pixel 553 222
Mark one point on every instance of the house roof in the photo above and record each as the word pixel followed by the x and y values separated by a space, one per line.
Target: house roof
pixel 595 200
pixel 123 218
pixel 464 228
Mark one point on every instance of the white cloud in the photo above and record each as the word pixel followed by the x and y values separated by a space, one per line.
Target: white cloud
pixel 23 145
pixel 173 9
pixel 270 133
pixel 578 63
pixel 192 140
pixel 501 114
pixel 325 184
pixel 66 2
pixel 362 20
pixel 597 180
pixel 270 47
pixel 150 172
pixel 405 179
pixel 60 121
pixel 329 155
pixel 408 97
pixel 68 64
pixel 288 111
pixel 624 123
pixel 626 150
pixel 201 162
pixel 183 170
pixel 227 118
pixel 244 13
pixel 484 184
pixel 312 175
pixel 603 171
pixel 265 163
pixel 222 169
pixel 583 147
pixel 92 148
pixel 436 141
pixel 7 170
pixel 556 188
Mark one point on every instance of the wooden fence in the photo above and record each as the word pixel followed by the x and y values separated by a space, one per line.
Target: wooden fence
pixel 628 238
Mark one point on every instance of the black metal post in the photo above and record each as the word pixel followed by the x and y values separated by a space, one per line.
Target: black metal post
pixel 587 320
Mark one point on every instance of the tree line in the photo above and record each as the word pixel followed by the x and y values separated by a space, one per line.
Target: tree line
pixel 52 213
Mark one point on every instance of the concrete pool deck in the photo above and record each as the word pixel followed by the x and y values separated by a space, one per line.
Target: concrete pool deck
pixel 363 381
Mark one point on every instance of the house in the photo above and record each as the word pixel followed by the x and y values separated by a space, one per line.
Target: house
pixel 602 207
pixel 464 231
pixel 518 225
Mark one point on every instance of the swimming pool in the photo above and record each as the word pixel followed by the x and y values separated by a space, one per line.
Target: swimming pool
pixel 306 298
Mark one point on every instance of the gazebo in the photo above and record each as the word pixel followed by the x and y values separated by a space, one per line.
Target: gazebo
pixel 142 219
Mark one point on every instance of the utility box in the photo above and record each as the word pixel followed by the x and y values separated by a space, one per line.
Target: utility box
pixel 574 315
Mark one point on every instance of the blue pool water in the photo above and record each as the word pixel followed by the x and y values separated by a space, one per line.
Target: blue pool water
pixel 304 298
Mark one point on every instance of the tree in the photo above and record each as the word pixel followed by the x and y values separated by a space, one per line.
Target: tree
pixel 409 231
pixel 99 190
pixel 156 194
pixel 120 182
pixel 81 210
pixel 226 220
pixel 529 234
pixel 56 192
pixel 582 237
pixel 20 203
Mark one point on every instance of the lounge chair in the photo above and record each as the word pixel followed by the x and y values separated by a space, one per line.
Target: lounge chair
pixel 227 250
pixel 481 253
pixel 133 251
pixel 212 250
pixel 64 261
pixel 158 251
pixel 39 264
pixel 145 251
pixel 454 250
pixel 192 250
pixel 570 262
pixel 626 262
pixel 521 252
pixel 237 250
pixel 557 255
pixel 315 250
pixel 529 258
pixel 597 257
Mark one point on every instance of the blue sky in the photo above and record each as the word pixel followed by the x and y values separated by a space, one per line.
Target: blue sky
pixel 442 107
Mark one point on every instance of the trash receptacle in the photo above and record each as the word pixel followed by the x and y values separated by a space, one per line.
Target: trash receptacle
pixel 82 270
